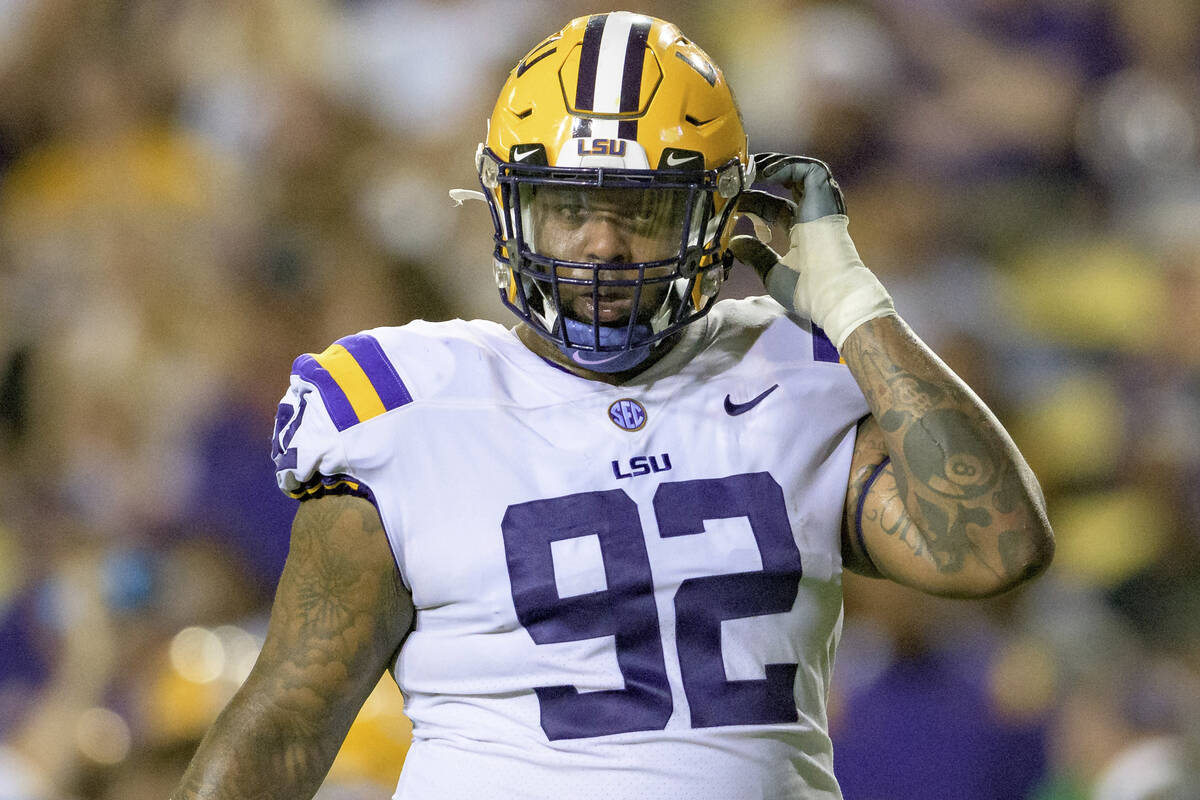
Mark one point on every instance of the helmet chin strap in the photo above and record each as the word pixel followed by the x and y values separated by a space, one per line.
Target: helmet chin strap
pixel 617 361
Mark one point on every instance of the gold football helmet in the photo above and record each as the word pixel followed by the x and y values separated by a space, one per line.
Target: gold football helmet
pixel 613 162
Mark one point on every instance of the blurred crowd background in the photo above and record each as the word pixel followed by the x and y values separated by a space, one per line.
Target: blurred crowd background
pixel 193 192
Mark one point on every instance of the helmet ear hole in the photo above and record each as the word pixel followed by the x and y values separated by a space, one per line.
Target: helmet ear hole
pixel 502 274
pixel 489 171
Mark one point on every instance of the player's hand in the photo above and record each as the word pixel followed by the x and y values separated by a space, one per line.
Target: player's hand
pixel 814 194
pixel 814 191
pixel 819 276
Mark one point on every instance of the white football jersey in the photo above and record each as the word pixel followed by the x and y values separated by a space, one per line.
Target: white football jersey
pixel 624 591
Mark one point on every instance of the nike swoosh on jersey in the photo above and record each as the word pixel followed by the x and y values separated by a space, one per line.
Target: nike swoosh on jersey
pixel 733 409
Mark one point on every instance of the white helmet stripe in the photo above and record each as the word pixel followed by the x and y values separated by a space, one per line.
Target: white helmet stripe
pixel 610 74
pixel 610 68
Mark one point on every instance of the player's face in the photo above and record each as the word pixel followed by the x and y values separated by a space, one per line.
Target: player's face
pixel 610 226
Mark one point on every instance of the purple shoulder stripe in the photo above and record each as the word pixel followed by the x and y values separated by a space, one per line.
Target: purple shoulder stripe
pixel 379 370
pixel 823 348
pixel 336 402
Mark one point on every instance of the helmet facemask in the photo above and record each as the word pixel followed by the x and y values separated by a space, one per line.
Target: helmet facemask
pixel 624 125
pixel 608 262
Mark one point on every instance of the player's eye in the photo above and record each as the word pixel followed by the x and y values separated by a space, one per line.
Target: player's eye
pixel 657 213
pixel 645 212
pixel 567 206
pixel 571 210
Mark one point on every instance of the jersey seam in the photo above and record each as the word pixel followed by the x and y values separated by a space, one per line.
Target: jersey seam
pixel 393 543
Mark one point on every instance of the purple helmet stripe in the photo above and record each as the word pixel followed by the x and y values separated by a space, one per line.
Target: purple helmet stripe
pixel 379 370
pixel 336 402
pixel 589 57
pixel 631 77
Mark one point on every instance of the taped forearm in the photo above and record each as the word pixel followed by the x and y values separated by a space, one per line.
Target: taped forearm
pixel 832 283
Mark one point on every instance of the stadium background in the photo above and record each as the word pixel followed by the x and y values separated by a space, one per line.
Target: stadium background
pixel 194 192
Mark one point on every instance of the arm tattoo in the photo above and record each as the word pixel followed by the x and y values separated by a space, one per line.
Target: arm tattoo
pixel 340 614
pixel 959 494
pixel 893 520
pixel 321 602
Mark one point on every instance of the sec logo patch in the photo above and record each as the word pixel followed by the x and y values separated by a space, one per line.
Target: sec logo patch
pixel 627 414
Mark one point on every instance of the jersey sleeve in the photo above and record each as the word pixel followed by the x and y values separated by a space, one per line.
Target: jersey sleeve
pixel 306 448
pixel 330 392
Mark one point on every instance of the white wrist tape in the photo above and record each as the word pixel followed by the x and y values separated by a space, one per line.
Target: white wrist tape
pixel 834 289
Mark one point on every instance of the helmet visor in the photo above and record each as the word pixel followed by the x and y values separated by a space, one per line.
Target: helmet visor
pixel 602 224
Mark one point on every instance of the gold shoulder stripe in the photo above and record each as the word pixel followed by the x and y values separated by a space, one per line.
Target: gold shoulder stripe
pixel 349 376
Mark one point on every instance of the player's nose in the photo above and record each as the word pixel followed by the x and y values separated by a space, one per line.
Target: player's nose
pixel 606 240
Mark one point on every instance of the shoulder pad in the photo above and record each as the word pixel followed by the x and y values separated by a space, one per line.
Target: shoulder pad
pixel 350 382
pixel 356 380
pixel 787 336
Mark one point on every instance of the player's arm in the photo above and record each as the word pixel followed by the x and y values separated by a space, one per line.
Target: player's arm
pixel 340 614
pixel 939 497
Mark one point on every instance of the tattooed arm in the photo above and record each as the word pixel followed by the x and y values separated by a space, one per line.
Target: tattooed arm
pixel 339 617
pixel 939 498
pixel 950 506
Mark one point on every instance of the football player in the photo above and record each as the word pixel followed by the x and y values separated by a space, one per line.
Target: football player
pixel 601 551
